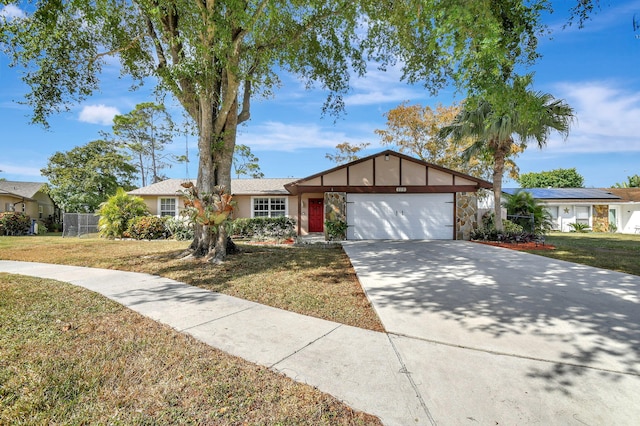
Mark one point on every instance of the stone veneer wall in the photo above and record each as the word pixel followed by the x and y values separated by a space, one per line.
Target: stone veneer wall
pixel 335 209
pixel 466 214
pixel 600 218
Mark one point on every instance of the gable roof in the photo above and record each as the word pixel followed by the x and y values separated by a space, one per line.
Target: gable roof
pixel 480 183
pixel 171 187
pixel 20 189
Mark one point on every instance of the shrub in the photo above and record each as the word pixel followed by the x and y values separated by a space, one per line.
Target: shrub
pixel 511 228
pixel 14 223
pixel 336 229
pixel 117 212
pixel 179 228
pixel 523 207
pixel 579 227
pixel 42 228
pixel 264 228
pixel 148 228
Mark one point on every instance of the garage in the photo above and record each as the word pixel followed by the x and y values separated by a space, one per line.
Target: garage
pixel 400 216
pixel 388 195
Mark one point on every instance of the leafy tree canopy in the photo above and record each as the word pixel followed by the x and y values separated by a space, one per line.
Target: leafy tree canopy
pixel 558 178
pixel 145 132
pixel 245 163
pixel 346 152
pixel 415 130
pixel 81 179
pixel 215 56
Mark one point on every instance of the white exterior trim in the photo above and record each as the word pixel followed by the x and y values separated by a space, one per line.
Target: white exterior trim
pixel 270 197
pixel 177 204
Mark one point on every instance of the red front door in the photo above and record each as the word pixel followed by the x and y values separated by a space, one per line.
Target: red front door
pixel 316 215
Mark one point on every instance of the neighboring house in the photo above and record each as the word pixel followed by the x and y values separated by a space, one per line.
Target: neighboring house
pixel 384 196
pixel 602 209
pixel 27 197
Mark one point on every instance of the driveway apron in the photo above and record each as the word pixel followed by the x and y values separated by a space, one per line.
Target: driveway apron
pixel 494 335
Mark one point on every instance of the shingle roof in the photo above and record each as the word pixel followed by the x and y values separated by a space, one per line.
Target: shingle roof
pixel 566 193
pixel 625 194
pixel 238 187
pixel 21 189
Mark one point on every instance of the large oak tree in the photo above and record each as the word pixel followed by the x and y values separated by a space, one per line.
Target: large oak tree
pixel 214 56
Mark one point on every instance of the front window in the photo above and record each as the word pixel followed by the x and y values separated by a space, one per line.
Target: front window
pixel 269 206
pixel 582 214
pixel 168 207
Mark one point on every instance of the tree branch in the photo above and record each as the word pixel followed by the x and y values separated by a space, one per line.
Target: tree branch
pixel 245 114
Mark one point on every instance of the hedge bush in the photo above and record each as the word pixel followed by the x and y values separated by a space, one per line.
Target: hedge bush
pixel 117 212
pixel 264 228
pixel 148 228
pixel 512 233
pixel 14 223
pixel 180 228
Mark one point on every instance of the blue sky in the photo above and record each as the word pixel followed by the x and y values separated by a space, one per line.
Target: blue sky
pixel 596 69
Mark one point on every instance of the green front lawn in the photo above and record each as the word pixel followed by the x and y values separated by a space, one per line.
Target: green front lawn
pixel 617 252
pixel 309 280
pixel 70 356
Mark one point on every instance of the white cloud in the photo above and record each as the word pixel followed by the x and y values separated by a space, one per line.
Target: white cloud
pixel 380 86
pixel 278 136
pixel 11 11
pixel 608 119
pixel 98 114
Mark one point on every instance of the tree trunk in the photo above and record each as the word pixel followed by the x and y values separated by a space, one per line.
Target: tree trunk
pixel 223 160
pixel 140 160
pixel 203 239
pixel 214 169
pixel 498 171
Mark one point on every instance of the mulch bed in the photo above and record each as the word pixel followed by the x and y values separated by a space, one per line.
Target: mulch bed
pixel 519 246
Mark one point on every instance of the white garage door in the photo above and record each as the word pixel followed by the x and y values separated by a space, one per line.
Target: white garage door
pixel 400 216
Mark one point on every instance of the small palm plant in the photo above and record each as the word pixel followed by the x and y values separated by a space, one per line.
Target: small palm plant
pixel 116 213
pixel 523 207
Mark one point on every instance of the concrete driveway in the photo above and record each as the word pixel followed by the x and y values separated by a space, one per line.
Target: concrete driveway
pixel 494 336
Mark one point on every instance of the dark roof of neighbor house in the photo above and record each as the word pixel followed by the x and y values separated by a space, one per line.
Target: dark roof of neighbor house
pixel 573 194
pixel 20 189
pixel 626 194
pixel 238 187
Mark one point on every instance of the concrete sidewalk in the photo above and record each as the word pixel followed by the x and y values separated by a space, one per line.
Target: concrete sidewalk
pixel 404 380
pixel 360 367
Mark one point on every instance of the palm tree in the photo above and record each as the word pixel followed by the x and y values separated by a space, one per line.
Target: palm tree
pixel 528 211
pixel 498 128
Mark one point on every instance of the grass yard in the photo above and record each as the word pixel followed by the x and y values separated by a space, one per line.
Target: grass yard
pixel 617 252
pixel 70 356
pixel 313 281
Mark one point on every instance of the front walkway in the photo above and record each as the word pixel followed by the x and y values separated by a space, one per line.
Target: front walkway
pixel 360 367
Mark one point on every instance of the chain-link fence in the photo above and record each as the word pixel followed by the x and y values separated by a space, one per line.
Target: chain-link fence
pixel 79 224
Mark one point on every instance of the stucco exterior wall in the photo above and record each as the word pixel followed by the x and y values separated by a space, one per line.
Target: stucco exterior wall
pixel 361 174
pixel 31 207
